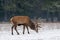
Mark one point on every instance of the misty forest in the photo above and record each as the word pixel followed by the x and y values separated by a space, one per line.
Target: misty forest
pixel 48 10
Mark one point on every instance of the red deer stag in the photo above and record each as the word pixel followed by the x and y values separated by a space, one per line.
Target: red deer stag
pixel 22 20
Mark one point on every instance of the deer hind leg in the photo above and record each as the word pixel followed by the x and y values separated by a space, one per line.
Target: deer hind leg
pixel 23 29
pixel 27 29
pixel 16 29
pixel 12 29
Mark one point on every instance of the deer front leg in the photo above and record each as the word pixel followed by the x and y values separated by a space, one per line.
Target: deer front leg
pixel 12 29
pixel 27 29
pixel 16 30
pixel 23 29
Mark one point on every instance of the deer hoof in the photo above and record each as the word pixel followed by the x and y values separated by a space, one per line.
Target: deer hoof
pixel 12 33
pixel 28 33
pixel 23 32
pixel 18 34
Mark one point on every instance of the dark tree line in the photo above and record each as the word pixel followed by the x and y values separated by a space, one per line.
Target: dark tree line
pixel 46 9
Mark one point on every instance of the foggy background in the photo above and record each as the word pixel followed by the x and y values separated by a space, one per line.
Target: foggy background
pixel 47 10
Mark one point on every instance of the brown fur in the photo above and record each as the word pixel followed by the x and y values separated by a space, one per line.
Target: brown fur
pixel 22 20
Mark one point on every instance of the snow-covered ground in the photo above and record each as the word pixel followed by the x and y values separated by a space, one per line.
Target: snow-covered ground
pixel 49 31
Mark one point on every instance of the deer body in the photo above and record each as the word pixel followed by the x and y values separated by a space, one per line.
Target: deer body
pixel 22 20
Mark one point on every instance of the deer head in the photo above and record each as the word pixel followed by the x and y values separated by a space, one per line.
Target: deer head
pixel 36 25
